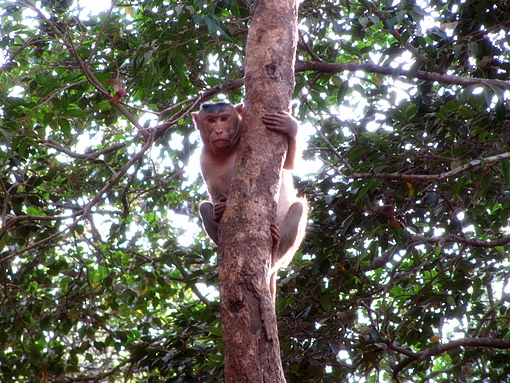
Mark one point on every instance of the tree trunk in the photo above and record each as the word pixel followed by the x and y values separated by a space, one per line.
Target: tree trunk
pixel 250 334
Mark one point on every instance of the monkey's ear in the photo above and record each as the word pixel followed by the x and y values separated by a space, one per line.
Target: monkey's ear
pixel 195 118
pixel 239 109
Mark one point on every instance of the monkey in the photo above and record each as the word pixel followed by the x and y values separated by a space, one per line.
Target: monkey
pixel 219 125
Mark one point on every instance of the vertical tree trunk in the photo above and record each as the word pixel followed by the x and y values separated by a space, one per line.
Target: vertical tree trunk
pixel 252 349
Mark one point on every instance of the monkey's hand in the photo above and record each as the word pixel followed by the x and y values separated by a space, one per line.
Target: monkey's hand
pixel 275 234
pixel 219 208
pixel 281 122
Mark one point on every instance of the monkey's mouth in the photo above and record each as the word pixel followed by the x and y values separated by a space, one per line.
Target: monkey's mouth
pixel 220 140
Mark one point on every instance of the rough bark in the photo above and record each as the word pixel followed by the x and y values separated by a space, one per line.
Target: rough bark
pixel 252 350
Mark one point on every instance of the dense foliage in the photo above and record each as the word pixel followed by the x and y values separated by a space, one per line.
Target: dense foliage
pixel 105 273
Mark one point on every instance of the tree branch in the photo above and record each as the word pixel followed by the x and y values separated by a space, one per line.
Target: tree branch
pixel 87 156
pixel 434 177
pixel 372 68
pixel 83 214
pixel 466 342
pixel 410 47
pixel 450 238
pixel 86 69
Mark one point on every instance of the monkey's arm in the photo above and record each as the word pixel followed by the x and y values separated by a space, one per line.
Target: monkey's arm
pixel 284 123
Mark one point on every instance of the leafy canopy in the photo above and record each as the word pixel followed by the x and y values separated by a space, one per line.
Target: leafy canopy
pixel 105 272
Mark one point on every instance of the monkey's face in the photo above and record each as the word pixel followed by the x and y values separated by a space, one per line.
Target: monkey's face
pixel 219 131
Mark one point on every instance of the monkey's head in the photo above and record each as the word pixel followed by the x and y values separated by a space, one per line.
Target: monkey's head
pixel 219 126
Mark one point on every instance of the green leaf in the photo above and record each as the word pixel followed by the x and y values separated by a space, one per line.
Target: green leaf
pixel 178 67
pixel 501 110
pixel 215 27
pixel 505 166
pixel 32 210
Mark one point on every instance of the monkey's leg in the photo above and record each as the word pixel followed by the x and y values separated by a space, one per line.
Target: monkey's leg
pixel 210 224
pixel 286 237
pixel 291 230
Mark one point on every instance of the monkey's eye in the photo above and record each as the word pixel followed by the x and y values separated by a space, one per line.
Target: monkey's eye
pixel 224 118
pixel 211 120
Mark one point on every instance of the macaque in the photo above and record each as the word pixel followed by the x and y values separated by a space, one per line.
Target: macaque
pixel 219 125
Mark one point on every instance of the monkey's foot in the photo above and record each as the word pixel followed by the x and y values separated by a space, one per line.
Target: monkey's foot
pixel 275 234
pixel 219 208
